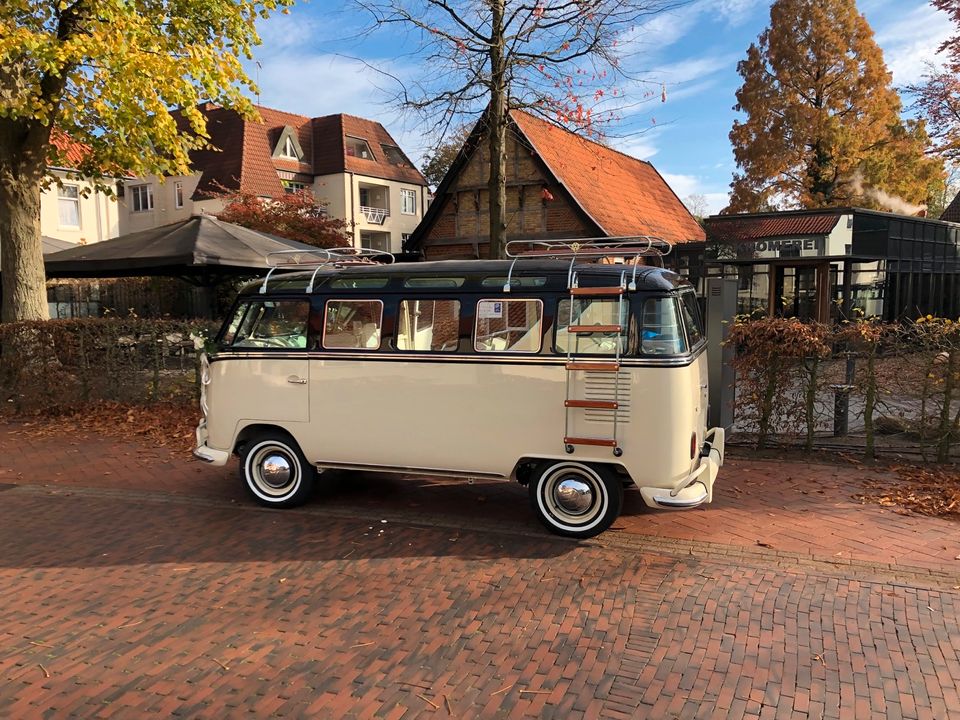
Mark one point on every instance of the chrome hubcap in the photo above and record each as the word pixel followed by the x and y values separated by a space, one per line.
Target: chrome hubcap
pixel 573 496
pixel 275 470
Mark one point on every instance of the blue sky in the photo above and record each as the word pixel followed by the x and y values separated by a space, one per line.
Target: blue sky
pixel 315 60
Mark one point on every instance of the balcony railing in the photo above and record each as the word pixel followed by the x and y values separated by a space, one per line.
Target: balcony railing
pixel 375 216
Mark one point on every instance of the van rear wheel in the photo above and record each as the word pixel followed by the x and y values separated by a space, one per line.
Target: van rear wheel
pixel 276 472
pixel 575 499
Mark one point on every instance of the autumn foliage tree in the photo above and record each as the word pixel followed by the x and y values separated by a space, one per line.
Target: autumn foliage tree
pixel 106 73
pixel 297 216
pixel 822 122
pixel 555 58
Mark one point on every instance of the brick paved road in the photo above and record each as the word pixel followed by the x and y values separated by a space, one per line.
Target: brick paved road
pixel 160 589
pixel 799 508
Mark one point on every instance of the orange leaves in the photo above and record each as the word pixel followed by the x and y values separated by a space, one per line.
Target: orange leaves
pixel 161 425
pixel 799 141
pixel 297 216
pixel 921 490
pixel 780 338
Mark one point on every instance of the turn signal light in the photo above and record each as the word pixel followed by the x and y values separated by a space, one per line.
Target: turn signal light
pixel 693 446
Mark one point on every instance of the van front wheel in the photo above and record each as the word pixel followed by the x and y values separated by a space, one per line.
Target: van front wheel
pixel 276 472
pixel 575 499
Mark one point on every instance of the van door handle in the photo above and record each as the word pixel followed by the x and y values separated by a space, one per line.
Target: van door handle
pixel 294 380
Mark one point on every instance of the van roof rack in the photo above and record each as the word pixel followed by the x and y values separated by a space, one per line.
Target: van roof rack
pixel 320 258
pixel 628 248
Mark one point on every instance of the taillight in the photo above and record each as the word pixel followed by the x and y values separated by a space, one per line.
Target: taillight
pixel 693 446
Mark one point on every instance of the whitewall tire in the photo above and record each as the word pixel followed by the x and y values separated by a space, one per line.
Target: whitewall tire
pixel 276 472
pixel 575 499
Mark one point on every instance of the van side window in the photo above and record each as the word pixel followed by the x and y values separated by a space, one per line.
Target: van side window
pixel 662 333
pixel 508 326
pixel 601 314
pixel 270 324
pixel 352 324
pixel 426 325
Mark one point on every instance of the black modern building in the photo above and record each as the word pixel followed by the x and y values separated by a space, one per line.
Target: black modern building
pixel 822 264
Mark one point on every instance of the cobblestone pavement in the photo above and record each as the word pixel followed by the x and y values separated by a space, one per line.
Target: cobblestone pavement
pixel 134 584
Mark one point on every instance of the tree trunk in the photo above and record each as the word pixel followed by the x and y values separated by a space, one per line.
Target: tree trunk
pixel 812 366
pixel 870 405
pixel 946 424
pixel 498 120
pixel 22 167
pixel 21 254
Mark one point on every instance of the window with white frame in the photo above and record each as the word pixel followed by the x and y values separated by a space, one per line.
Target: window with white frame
pixel 68 203
pixel 178 195
pixel 141 198
pixel 289 149
pixel 408 202
pixel 292 186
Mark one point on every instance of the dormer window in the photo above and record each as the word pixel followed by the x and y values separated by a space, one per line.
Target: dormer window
pixel 395 155
pixel 288 147
pixel 357 147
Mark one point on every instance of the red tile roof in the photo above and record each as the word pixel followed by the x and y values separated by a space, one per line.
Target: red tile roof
pixel 623 195
pixel 69 153
pixel 736 228
pixel 246 161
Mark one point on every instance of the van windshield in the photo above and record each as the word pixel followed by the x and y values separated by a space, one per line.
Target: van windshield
pixel 691 317
pixel 268 324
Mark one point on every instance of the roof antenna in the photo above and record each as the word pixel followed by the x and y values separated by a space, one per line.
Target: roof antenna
pixel 257 84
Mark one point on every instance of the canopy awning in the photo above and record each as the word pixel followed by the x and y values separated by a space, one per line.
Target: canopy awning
pixel 199 245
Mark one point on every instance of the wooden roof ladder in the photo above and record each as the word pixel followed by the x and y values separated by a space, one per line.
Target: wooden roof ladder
pixel 575 365
pixel 628 249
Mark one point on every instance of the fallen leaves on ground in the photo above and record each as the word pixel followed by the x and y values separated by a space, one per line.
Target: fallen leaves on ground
pixel 926 491
pixel 169 425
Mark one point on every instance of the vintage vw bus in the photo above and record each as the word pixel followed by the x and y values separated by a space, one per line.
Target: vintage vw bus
pixel 575 378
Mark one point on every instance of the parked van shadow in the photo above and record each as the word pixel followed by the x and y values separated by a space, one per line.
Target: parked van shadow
pixel 89 528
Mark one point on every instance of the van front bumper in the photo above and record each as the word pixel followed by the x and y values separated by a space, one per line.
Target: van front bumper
pixel 697 487
pixel 206 453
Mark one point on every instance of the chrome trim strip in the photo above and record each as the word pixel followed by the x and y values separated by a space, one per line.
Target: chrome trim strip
pixel 420 357
pixel 404 470
pixel 670 502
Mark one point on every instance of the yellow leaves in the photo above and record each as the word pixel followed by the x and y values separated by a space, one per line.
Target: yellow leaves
pixel 126 65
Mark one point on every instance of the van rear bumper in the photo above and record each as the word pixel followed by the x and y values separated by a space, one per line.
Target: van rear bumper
pixel 697 487
pixel 206 453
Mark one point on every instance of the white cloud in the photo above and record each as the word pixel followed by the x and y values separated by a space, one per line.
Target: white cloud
pixel 682 185
pixel 328 84
pixel 668 27
pixel 716 201
pixel 642 145
pixel 281 32
pixel 910 41
pixel 686 185
pixel 664 29
pixel 734 12
pixel 695 68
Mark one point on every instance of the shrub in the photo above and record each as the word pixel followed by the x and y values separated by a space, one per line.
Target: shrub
pixel 774 356
pixel 58 365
